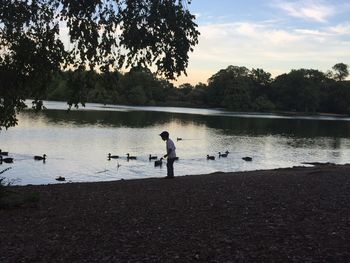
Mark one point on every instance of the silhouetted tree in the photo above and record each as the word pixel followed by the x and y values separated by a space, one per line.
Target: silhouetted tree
pixel 341 71
pixel 223 85
pixel 198 95
pixel 104 35
pixel 299 90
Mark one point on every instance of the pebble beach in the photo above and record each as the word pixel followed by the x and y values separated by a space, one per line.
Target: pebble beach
pixel 299 214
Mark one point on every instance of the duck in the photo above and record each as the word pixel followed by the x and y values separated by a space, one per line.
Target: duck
pixel 110 156
pixel 247 159
pixel 222 154
pixel 178 139
pixel 158 162
pixel 4 153
pixel 61 178
pixel 152 157
pixel 5 160
pixel 130 157
pixel 210 157
pixel 40 158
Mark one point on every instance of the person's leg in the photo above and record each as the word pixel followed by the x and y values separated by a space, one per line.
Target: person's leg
pixel 170 167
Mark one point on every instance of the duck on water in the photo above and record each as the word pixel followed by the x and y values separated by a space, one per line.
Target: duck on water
pixel 210 157
pixel 110 156
pixel 4 153
pixel 158 162
pixel 152 157
pixel 223 154
pixel 40 158
pixel 5 160
pixel 128 157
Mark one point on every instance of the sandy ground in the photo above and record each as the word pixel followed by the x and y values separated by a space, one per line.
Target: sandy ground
pixel 284 215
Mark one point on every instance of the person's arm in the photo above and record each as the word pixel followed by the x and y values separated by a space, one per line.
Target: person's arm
pixel 169 152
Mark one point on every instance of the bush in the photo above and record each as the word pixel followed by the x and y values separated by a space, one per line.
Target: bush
pixel 3 185
pixel 10 199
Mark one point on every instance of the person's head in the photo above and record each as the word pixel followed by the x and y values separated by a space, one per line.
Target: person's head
pixel 164 135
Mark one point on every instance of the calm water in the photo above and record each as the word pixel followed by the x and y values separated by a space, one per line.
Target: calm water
pixel 77 143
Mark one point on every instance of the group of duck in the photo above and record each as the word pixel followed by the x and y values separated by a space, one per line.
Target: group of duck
pixel 10 159
pixel 224 155
pixel 159 162
pixel 36 158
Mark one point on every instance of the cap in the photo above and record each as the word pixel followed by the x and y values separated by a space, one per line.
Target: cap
pixel 164 134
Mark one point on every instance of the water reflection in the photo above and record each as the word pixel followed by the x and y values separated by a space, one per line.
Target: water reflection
pixel 227 125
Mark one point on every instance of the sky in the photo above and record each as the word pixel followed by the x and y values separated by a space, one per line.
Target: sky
pixel 275 35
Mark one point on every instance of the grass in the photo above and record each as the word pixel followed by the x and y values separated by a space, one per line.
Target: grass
pixel 3 184
pixel 11 199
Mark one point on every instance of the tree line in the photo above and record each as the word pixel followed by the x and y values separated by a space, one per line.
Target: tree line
pixel 235 88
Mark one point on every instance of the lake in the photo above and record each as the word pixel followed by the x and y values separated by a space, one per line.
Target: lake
pixel 77 142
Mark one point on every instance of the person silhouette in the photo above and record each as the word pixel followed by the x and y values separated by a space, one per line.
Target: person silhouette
pixel 170 154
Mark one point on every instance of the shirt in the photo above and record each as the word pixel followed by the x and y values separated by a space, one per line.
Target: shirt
pixel 170 145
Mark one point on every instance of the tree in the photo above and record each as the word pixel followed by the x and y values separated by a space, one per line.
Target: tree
pixel 141 87
pixel 336 97
pixel 198 95
pixel 260 77
pixel 185 89
pixel 261 90
pixel 299 90
pixel 238 94
pixel 231 88
pixel 102 35
pixel 341 71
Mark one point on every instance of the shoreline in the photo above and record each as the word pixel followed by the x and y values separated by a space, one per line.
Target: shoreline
pixel 302 165
pixel 281 113
pixel 297 214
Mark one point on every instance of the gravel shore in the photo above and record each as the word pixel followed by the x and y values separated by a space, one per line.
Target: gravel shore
pixel 285 215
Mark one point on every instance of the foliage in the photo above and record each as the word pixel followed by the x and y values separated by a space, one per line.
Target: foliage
pixel 102 35
pixel 139 86
pixel 198 95
pixel 336 98
pixel 235 88
pixel 341 71
pixel 299 90
pixel 264 104
pixel 221 82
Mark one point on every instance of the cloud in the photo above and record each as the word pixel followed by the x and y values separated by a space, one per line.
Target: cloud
pixel 313 10
pixel 340 29
pixel 266 46
pixel 221 41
